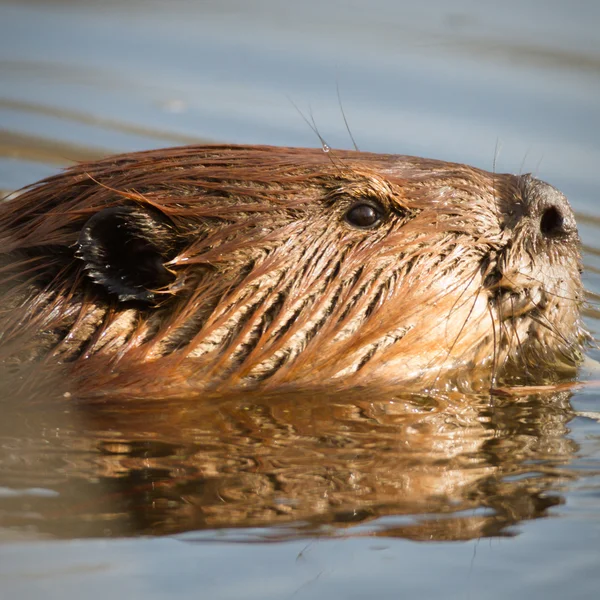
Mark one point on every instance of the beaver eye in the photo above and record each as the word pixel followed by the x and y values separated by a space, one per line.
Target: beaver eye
pixel 364 215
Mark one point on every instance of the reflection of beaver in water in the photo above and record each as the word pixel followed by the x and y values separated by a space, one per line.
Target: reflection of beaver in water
pixel 454 468
pixel 225 267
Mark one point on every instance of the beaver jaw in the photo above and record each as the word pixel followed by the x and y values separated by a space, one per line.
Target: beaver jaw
pixel 534 285
pixel 535 324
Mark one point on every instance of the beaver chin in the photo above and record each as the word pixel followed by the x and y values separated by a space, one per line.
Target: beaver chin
pixel 228 267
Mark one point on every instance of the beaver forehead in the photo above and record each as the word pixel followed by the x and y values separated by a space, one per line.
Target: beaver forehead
pixel 260 178
pixel 264 165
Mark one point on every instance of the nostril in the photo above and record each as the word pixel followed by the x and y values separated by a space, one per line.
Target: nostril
pixel 552 222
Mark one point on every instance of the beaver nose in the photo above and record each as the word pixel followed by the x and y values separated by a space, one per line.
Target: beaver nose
pixel 552 209
pixel 552 223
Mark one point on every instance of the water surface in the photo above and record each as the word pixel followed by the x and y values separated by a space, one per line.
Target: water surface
pixel 315 496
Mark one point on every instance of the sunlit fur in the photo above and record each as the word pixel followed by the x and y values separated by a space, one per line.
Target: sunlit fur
pixel 270 285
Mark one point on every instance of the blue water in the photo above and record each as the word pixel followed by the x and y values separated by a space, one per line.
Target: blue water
pixel 345 501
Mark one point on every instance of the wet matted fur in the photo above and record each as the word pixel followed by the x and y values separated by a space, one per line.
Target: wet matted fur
pixel 226 267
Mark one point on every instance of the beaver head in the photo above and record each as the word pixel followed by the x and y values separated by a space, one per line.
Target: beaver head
pixel 225 267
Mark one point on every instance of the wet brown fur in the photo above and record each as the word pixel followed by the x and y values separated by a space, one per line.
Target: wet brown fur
pixel 269 285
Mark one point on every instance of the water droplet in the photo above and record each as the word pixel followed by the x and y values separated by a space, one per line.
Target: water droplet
pixel 325 147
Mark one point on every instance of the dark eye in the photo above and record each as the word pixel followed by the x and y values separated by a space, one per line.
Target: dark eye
pixel 364 215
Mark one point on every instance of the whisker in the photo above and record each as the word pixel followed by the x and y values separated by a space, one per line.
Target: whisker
pixel 494 349
pixel 337 86
pixel 519 345
pixel 460 331
pixel 313 126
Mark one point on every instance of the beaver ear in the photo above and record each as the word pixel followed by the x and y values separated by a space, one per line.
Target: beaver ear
pixel 125 250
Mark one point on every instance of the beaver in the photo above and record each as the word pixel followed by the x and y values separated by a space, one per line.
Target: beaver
pixel 231 267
